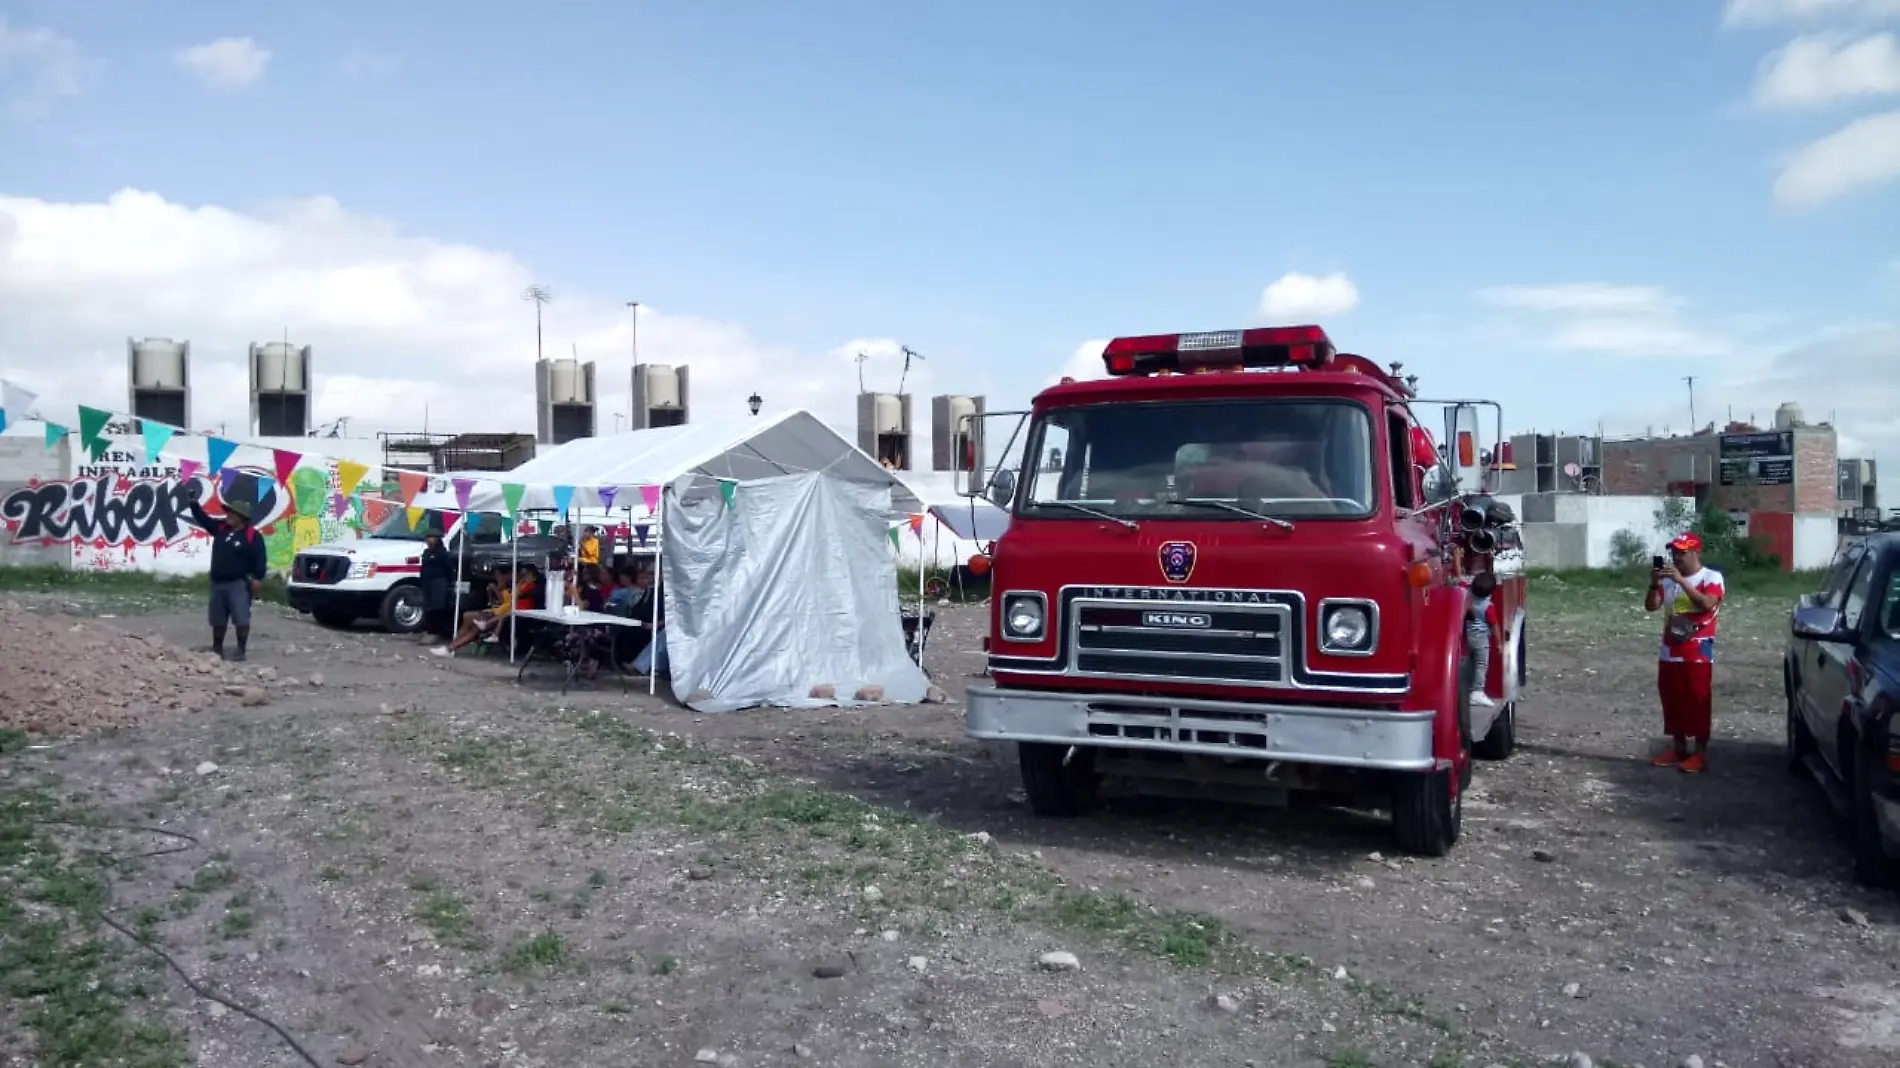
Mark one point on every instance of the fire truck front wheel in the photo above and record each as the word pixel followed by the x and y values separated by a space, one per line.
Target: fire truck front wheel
pixel 1059 780
pixel 1428 815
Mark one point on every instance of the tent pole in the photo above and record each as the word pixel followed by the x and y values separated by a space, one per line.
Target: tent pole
pixel 922 570
pixel 461 558
pixel 514 577
pixel 653 614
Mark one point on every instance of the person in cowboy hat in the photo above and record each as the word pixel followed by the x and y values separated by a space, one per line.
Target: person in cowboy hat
pixel 239 562
pixel 1689 595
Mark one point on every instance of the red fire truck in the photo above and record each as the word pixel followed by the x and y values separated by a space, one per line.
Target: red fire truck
pixel 1239 565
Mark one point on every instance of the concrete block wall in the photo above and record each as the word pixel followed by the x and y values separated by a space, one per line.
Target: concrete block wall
pixel 25 460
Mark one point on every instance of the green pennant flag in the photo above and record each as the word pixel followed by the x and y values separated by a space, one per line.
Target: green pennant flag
pixel 97 447
pixel 511 496
pixel 55 434
pixel 727 491
pixel 92 422
pixel 507 528
pixel 895 543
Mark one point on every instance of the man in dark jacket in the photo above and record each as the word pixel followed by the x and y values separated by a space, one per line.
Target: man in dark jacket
pixel 438 575
pixel 239 562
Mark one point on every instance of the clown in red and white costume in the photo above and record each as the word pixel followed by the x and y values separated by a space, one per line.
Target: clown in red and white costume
pixel 1685 670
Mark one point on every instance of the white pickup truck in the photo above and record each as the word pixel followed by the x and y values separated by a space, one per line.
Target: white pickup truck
pixel 380 576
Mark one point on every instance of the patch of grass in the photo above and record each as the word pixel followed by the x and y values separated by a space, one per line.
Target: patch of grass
pixel 544 952
pixel 71 983
pixel 117 584
pixel 1349 1058
pixel 446 916
pixel 666 965
pixel 213 877
pixel 12 741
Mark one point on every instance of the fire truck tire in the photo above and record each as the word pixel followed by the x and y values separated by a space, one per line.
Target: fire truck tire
pixel 1055 788
pixel 1501 740
pixel 1427 815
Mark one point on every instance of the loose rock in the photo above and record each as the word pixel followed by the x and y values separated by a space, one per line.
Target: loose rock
pixel 1060 961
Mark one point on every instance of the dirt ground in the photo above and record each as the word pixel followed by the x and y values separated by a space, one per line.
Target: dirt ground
pixel 408 862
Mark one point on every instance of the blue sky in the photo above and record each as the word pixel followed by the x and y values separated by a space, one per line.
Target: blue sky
pixel 997 184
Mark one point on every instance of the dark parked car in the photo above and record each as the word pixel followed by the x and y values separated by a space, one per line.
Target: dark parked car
pixel 1842 674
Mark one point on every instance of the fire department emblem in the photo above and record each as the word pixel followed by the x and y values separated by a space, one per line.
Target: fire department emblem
pixel 1177 560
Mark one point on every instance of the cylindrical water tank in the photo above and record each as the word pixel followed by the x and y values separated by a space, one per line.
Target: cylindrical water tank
pixel 961 409
pixel 279 367
pixel 663 386
pixel 565 383
pixel 158 363
pixel 887 414
pixel 1788 416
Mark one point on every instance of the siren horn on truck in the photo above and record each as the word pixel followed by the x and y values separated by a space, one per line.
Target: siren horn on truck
pixel 1221 350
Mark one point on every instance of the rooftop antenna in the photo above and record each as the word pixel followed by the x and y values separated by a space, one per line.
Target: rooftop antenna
pixel 909 355
pixel 1690 380
pixel 539 295
pixel 859 360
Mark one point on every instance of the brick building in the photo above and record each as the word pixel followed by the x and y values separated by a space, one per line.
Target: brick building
pixel 1773 476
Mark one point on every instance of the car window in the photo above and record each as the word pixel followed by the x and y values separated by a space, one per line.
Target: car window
pixel 1837 579
pixel 1890 604
pixel 1856 604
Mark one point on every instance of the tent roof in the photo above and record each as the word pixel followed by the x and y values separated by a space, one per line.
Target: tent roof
pixel 740 448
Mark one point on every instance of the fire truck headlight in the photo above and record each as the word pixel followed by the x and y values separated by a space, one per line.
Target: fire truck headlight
pixel 1346 628
pixel 1024 616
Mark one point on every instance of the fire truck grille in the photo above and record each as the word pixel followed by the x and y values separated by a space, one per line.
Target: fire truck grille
pixel 1215 643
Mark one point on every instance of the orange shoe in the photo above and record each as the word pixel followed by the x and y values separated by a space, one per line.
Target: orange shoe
pixel 1669 759
pixel 1694 765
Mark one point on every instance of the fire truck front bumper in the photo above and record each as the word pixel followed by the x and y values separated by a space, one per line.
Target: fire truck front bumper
pixel 1307 734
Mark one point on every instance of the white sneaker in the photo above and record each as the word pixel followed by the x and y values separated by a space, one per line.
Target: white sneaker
pixel 441 650
pixel 1479 698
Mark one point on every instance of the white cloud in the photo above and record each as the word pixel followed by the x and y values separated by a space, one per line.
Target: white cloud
pixel 1578 297
pixel 1604 318
pixel 400 324
pixel 1865 152
pixel 38 68
pixel 1295 295
pixel 369 63
pixel 1084 363
pixel 226 63
pixel 1771 12
pixel 1823 68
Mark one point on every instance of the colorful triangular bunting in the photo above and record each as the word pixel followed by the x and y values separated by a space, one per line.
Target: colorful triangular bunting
pixel 728 489
pixel 511 497
pixel 650 496
pixel 640 531
pixel 894 536
pixel 284 462
pixel 414 515
pixel 463 487
pixel 563 498
pixel 157 436
pixel 411 483
pixel 218 453
pixel 607 495
pixel 349 475
pixel 56 434
pixel 92 423
pixel 188 470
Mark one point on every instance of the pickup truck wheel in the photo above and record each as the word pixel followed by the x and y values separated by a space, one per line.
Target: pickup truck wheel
pixel 1053 787
pixel 1872 865
pixel 1426 818
pixel 401 611
pixel 334 620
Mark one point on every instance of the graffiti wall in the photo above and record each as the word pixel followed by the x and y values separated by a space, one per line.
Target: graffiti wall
pixel 119 511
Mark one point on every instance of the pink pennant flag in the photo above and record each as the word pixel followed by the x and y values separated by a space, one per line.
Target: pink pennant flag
pixel 285 463
pixel 463 487
pixel 188 470
pixel 650 496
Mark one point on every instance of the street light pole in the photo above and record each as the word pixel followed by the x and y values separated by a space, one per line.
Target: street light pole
pixel 633 347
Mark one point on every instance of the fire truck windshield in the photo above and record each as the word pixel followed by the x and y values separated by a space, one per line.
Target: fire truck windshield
pixel 1297 458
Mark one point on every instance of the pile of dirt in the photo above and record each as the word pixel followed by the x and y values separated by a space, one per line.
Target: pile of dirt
pixel 61 676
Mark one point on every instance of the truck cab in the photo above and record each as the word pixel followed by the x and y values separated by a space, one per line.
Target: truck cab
pixel 1238 566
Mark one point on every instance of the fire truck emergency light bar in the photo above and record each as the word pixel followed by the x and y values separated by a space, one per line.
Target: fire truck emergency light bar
pixel 1221 350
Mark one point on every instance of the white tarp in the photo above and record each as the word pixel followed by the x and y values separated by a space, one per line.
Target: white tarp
pixel 790 588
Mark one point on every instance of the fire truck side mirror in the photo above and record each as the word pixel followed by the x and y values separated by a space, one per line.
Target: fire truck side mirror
pixel 1002 488
pixel 1462 448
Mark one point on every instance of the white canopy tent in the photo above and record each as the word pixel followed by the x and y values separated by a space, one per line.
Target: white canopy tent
pixel 797 543
pixel 737 448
